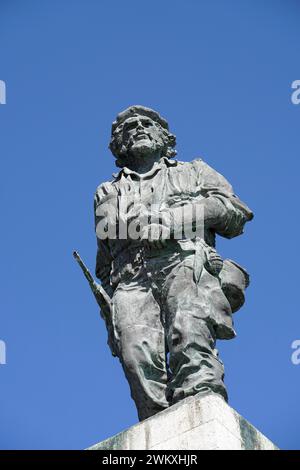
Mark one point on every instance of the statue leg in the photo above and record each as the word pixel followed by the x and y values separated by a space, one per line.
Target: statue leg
pixel 194 363
pixel 141 346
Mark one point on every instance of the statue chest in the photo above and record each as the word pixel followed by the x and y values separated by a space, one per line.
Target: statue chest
pixel 170 187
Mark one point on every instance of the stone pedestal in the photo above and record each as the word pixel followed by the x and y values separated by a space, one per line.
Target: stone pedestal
pixel 196 423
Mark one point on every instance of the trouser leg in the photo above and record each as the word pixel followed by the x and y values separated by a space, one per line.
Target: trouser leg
pixel 191 338
pixel 141 345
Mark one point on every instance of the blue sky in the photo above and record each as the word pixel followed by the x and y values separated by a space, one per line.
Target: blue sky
pixel 221 73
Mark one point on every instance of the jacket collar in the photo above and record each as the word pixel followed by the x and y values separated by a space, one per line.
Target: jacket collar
pixel 164 161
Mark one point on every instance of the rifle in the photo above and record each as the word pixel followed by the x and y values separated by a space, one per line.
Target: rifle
pixel 103 300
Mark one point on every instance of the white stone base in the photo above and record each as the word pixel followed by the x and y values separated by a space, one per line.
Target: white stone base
pixel 196 423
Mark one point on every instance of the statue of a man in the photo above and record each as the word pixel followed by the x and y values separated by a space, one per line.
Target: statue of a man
pixel 172 294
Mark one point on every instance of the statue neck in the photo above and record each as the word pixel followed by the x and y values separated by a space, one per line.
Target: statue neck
pixel 143 165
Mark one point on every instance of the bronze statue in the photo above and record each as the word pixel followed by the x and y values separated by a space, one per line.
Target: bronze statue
pixel 171 295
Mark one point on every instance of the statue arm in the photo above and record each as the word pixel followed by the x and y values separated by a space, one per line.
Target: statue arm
pixel 103 265
pixel 223 211
pixel 103 257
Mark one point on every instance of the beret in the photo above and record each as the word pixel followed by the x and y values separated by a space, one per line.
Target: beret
pixel 138 110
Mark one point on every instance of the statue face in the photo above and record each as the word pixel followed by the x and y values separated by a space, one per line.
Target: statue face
pixel 142 137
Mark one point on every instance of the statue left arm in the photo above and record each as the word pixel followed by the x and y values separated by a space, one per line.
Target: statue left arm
pixel 223 211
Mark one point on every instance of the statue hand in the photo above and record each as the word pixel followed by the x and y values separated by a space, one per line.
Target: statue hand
pixel 214 261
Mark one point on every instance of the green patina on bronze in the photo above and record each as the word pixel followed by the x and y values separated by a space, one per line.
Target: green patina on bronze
pixel 171 295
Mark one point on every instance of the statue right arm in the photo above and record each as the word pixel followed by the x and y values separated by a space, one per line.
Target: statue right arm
pixel 103 257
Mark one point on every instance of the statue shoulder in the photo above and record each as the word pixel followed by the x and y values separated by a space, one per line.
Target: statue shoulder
pixel 103 192
pixel 188 166
pixel 209 176
pixel 196 168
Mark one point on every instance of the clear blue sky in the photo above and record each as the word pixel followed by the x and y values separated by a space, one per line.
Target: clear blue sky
pixel 221 73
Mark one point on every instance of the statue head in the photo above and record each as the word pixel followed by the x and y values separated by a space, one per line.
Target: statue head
pixel 140 133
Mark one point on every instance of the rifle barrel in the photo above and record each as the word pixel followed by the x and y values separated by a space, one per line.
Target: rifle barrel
pixel 101 296
pixel 85 270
